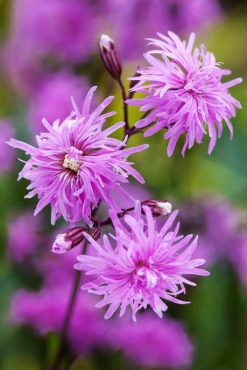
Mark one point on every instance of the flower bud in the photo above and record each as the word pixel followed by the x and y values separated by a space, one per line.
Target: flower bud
pixel 68 240
pixel 158 208
pixel 110 56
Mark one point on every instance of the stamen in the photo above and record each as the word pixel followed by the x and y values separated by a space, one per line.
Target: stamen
pixel 71 163
pixel 72 160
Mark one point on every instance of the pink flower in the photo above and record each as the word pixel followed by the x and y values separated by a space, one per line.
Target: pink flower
pixel 184 93
pixel 145 265
pixel 76 164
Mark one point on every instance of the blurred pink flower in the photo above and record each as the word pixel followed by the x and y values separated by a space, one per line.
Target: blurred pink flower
pixel 6 155
pixel 76 164
pixel 56 269
pixel 193 15
pixel 202 215
pixel 24 72
pixel 23 236
pixel 58 28
pixel 45 37
pixel 183 93
pixel 45 311
pixel 145 267
pixel 56 33
pixel 153 342
pixel 146 17
pixel 143 18
pixel 51 100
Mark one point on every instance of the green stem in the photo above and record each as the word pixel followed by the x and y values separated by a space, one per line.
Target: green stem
pixel 125 105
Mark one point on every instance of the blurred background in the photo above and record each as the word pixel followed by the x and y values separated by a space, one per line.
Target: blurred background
pixel 48 53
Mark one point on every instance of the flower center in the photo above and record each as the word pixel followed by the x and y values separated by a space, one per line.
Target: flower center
pixel 145 276
pixel 194 83
pixel 73 159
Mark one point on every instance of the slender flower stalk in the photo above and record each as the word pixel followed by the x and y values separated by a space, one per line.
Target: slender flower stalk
pixel 68 316
pixel 125 108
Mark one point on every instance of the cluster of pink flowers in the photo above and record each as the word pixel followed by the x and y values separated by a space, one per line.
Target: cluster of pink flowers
pixel 77 165
pixel 134 256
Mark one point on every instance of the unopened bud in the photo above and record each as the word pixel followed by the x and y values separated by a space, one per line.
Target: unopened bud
pixel 158 208
pixel 68 240
pixel 110 56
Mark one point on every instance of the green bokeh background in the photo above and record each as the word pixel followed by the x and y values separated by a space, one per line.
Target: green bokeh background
pixel 217 318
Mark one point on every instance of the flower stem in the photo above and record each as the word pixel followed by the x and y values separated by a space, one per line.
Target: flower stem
pixel 68 316
pixel 108 221
pixel 125 106
pixel 127 129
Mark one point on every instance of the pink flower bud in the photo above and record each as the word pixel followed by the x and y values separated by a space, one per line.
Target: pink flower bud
pixel 73 237
pixel 68 240
pixel 110 56
pixel 158 208
pixel 61 244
